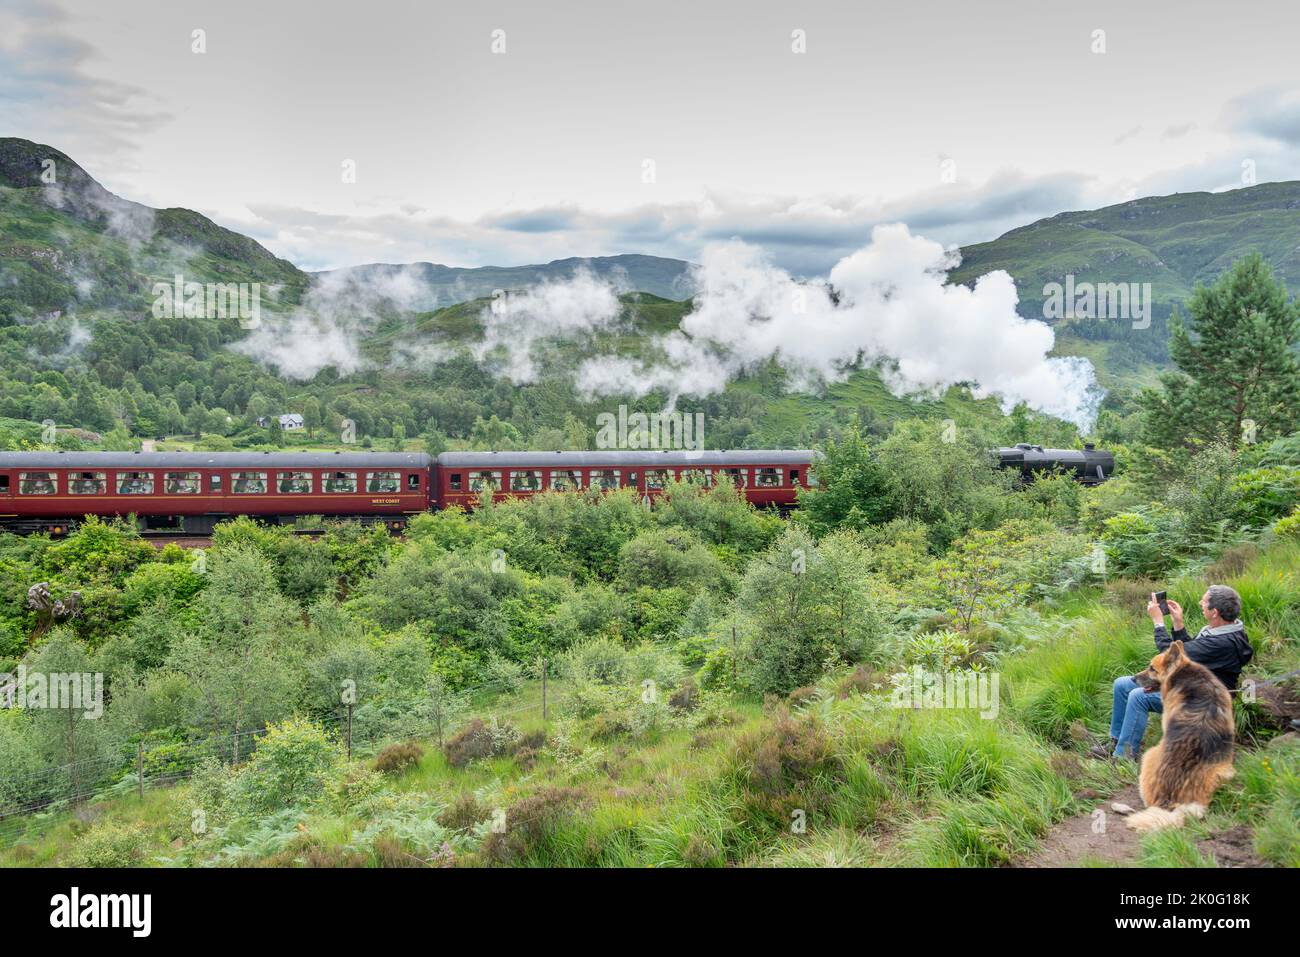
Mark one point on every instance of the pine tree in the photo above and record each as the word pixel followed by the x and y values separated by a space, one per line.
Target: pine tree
pixel 1238 377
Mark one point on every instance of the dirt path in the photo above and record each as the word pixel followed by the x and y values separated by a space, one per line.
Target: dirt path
pixel 1104 838
pixel 1095 836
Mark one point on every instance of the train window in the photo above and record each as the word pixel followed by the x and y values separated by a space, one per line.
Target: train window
pixel 566 480
pixel 604 478
pixel 37 483
pixel 739 477
pixel 698 477
pixel 339 482
pixel 413 482
pixel 794 476
pixel 248 483
pixel 525 481
pixel 656 478
pixel 383 483
pixel 134 483
pixel 214 484
pixel 455 481
pixel 4 484
pixel 88 483
pixel 181 483
pixel 293 483
pixel 767 478
pixel 631 479
pixel 478 481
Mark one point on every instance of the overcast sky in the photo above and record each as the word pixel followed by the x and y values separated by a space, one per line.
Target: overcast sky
pixel 467 156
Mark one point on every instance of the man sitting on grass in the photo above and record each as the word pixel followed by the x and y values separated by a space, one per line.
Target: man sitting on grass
pixel 1221 646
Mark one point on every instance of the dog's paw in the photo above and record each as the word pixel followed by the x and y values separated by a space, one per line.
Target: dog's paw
pixel 1120 808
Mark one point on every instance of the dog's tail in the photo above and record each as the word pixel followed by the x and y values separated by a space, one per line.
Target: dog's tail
pixel 1158 818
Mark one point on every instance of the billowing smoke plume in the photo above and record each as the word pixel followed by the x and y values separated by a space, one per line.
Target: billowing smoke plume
pixel 887 304
pixel 339 310
pixel 516 324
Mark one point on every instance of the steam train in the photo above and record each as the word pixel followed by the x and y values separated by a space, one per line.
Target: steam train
pixel 1091 466
pixel 190 492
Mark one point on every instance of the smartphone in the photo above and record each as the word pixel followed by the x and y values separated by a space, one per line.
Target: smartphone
pixel 1162 600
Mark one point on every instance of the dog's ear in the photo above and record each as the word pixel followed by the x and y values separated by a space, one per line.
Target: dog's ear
pixel 1174 653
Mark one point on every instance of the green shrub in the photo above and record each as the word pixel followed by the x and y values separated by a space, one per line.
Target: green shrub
pixel 110 844
pixel 602 660
pixel 1264 495
pixel 354 789
pixel 290 767
pixel 1289 527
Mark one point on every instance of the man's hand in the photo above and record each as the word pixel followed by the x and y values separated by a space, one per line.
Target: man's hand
pixel 1175 613
pixel 1153 609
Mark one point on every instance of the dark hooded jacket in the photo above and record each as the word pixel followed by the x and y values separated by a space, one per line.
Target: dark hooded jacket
pixel 1224 650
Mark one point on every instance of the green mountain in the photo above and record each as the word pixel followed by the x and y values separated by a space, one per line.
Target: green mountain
pixel 1172 242
pixel 446 285
pixel 69 245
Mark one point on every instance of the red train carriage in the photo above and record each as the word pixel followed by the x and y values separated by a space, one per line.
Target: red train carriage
pixel 191 491
pixel 766 477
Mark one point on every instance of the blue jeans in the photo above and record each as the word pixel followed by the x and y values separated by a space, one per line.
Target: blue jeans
pixel 1128 714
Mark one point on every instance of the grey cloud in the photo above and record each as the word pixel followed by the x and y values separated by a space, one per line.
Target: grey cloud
pixel 48 94
pixel 803 235
pixel 1271 113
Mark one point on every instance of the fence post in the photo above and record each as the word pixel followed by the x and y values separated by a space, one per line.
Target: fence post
pixel 733 651
pixel 139 767
pixel 349 731
pixel 543 690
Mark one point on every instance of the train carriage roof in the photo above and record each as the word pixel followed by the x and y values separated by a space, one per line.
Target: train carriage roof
pixel 213 460
pixel 621 457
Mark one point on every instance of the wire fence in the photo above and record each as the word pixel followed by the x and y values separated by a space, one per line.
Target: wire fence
pixel 58 789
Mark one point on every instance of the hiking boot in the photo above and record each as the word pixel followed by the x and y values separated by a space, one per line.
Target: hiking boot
pixel 1135 757
pixel 1103 752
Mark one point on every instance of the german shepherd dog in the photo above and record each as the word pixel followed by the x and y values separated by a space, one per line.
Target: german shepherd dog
pixel 1181 773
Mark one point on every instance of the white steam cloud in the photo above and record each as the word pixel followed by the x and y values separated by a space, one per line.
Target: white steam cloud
pixel 516 324
pixel 340 309
pixel 886 304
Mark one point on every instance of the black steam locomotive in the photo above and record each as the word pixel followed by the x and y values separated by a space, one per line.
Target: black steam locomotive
pixel 1090 465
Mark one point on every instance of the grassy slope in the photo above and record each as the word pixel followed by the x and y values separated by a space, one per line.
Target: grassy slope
pixel 1172 242
pixel 878 786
